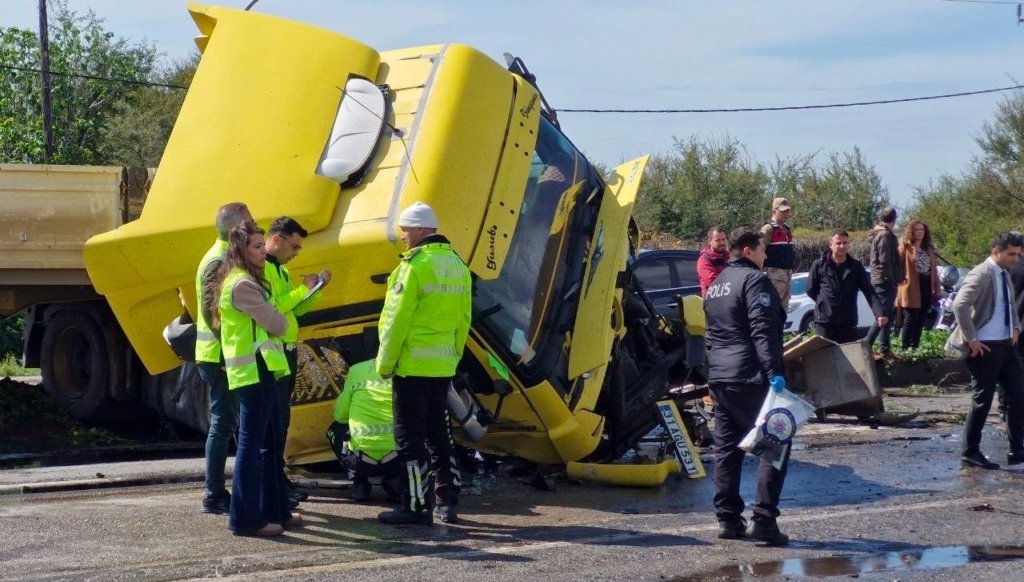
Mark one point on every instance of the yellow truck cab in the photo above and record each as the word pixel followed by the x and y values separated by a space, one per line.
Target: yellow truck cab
pixel 565 359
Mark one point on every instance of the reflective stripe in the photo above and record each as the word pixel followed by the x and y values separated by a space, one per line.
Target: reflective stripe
pixel 371 430
pixel 268 346
pixel 240 361
pixel 205 336
pixel 444 289
pixel 426 353
pixel 371 461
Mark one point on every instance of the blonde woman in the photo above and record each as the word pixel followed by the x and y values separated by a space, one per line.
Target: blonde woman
pixel 920 284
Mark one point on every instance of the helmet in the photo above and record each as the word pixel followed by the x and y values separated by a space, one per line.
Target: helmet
pixel 949 275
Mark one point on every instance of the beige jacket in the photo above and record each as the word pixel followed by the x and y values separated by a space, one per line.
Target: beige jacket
pixel 973 308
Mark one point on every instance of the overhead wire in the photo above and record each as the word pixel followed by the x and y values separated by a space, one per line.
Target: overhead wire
pixel 595 110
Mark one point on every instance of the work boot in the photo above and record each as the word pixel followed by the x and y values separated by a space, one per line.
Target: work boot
pixel 406 516
pixel 446 513
pixel 361 490
pixel 767 532
pixel 1015 458
pixel 217 504
pixel 731 529
pixel 294 493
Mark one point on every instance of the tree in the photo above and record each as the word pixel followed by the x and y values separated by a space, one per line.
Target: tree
pixel 141 122
pixel 81 106
pixel 715 182
pixel 965 211
pixel 702 184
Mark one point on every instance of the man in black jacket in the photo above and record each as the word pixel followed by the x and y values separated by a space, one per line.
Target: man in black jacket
pixel 744 333
pixel 833 284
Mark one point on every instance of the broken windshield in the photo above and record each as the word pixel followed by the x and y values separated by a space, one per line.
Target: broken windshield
pixel 514 306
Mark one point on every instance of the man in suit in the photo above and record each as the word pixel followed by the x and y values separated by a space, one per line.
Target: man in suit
pixel 987 331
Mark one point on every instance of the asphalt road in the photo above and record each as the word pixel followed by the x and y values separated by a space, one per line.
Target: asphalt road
pixel 856 499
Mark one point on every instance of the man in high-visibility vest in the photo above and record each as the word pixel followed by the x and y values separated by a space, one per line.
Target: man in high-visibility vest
pixel 363 432
pixel 423 329
pixel 210 360
pixel 284 241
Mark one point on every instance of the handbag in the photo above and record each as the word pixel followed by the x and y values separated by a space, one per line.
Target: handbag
pixel 180 335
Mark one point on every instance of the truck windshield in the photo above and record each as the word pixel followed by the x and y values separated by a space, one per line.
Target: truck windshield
pixel 534 273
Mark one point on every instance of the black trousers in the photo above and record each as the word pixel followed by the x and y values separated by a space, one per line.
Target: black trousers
pixel 736 408
pixel 887 297
pixel 1002 366
pixel 914 317
pixel 841 334
pixel 422 434
pixel 285 387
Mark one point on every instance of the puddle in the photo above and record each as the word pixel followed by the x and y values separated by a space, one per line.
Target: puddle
pixel 852 565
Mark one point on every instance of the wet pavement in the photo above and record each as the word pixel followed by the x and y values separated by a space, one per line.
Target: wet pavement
pixel 879 504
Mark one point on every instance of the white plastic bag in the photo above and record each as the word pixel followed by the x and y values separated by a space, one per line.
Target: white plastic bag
pixel 781 414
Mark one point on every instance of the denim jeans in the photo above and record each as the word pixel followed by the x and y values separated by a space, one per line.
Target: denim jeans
pixel 223 425
pixel 257 493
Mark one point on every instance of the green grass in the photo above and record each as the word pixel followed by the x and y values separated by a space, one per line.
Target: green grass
pixel 9 366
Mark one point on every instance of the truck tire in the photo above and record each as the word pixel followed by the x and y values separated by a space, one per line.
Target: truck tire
pixel 75 365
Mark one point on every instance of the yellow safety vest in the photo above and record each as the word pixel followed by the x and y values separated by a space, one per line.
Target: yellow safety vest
pixel 240 337
pixel 365 406
pixel 207 345
pixel 287 297
pixel 425 320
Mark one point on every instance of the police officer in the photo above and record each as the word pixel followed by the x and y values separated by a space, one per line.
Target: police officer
pixel 744 333
pixel 363 432
pixel 423 329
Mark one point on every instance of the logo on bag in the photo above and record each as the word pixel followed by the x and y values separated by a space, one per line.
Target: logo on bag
pixel 779 426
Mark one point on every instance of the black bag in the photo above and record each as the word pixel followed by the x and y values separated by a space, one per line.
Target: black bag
pixel 180 335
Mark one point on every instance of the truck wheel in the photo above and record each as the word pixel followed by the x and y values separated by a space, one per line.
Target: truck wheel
pixel 75 364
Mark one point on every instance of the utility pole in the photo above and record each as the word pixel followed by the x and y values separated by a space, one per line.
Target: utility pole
pixel 44 57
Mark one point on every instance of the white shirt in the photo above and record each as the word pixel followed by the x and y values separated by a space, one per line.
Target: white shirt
pixel 996 329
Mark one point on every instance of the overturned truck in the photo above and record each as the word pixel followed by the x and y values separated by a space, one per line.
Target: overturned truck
pixel 566 357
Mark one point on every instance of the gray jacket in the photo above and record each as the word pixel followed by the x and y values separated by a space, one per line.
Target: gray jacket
pixel 973 308
pixel 884 261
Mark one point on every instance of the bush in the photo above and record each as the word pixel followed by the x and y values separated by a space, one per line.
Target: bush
pixel 10 335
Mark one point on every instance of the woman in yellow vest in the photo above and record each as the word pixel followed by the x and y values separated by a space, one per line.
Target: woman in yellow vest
pixel 253 358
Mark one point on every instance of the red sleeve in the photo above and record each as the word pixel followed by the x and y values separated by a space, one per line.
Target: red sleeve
pixel 705 273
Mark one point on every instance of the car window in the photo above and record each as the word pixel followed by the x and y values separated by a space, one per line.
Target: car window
pixel 687 270
pixel 798 286
pixel 654 275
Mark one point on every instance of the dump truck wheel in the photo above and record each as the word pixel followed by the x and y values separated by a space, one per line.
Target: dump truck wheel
pixel 76 365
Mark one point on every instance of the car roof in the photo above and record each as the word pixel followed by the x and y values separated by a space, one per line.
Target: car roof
pixel 668 253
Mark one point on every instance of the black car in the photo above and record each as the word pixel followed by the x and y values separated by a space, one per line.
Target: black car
pixel 665 273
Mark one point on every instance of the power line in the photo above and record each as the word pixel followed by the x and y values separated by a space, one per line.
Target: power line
pixel 982 1
pixel 733 110
pixel 94 77
pixel 796 107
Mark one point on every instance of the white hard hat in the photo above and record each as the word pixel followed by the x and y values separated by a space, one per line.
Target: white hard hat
pixel 419 215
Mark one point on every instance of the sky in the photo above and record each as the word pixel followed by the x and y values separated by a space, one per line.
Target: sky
pixel 695 54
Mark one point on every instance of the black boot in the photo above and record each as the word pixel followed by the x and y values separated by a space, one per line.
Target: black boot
pixel 414 507
pixel 767 532
pixel 361 489
pixel 731 529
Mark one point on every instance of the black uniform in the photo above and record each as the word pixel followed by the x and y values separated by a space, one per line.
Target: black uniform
pixel 834 287
pixel 744 333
